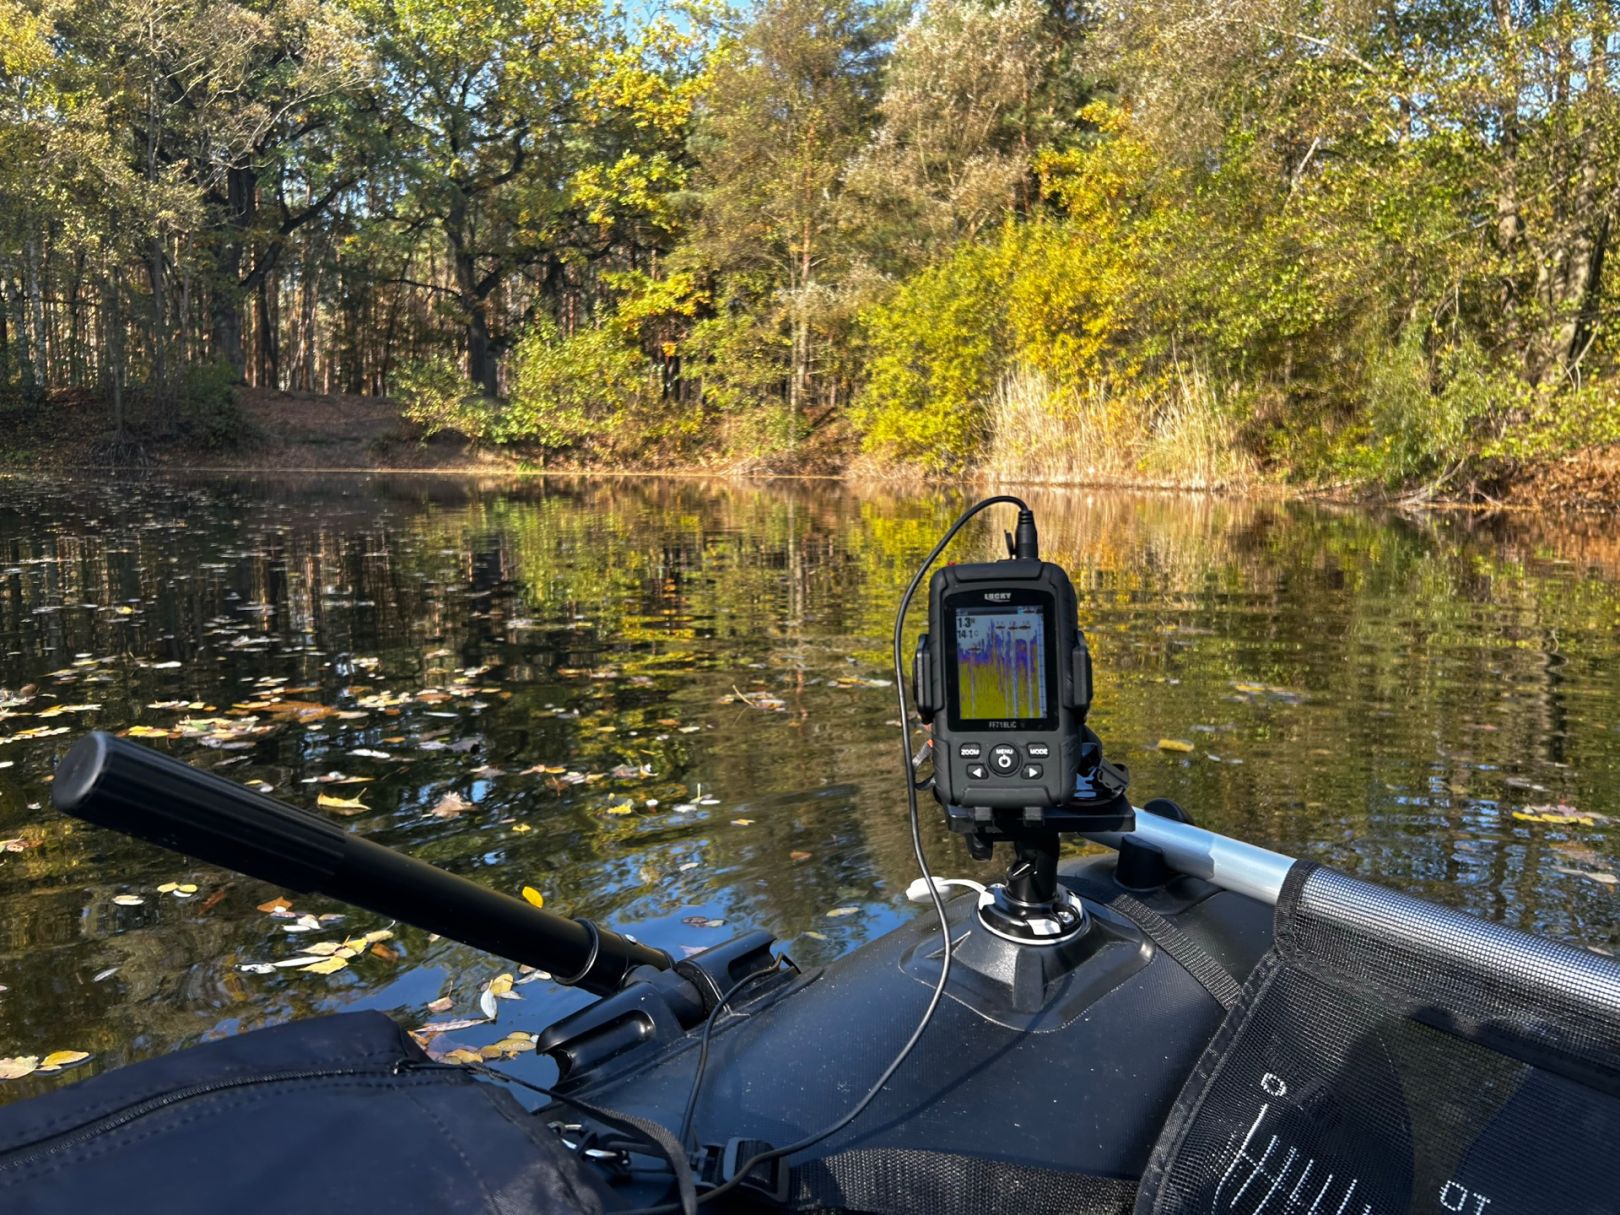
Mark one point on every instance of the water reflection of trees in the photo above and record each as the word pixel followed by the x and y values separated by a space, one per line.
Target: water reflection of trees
pixel 1393 688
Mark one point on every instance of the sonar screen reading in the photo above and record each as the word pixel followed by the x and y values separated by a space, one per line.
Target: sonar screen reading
pixel 1000 667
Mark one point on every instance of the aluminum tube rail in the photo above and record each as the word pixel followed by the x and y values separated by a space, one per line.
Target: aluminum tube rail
pixel 1230 864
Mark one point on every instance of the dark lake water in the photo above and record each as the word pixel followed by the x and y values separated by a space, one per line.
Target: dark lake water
pixel 666 704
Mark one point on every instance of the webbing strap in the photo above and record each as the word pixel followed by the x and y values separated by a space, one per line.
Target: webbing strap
pixel 1192 957
pixel 908 1181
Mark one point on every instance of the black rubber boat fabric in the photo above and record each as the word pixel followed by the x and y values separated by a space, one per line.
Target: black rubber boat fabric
pixel 1391 1056
pixel 898 1181
pixel 316 1116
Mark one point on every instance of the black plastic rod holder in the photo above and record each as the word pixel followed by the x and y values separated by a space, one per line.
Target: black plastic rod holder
pixel 133 789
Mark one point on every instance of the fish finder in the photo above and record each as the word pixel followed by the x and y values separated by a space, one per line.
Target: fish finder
pixel 1003 679
pixel 1004 675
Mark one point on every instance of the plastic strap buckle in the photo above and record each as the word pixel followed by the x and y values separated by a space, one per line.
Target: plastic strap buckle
pixel 715 1165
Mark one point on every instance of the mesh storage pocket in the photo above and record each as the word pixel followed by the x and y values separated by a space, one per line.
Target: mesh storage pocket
pixel 1389 1056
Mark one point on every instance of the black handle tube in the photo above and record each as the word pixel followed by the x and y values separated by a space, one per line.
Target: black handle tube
pixel 133 789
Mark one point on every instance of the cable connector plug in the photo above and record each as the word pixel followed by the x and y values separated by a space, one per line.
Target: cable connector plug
pixel 1026 541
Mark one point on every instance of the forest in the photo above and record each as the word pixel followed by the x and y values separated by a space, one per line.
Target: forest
pixel 1319 242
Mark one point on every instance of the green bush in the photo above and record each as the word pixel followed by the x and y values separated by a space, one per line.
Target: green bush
pixel 935 352
pixel 436 395
pixel 1427 415
pixel 590 392
pixel 210 413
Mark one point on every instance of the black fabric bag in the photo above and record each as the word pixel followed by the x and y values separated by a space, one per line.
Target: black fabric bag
pixel 1391 1056
pixel 327 1115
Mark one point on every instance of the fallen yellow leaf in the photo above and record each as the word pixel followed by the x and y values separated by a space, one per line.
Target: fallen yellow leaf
pixel 326 966
pixel 58 1059
pixel 531 895
pixel 500 984
pixel 149 732
pixel 621 808
pixel 340 803
pixel 1174 744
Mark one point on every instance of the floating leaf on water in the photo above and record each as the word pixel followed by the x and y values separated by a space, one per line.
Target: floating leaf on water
pixel 1564 815
pixel 128 900
pixel 184 890
pixel 105 974
pixel 367 753
pixel 442 1004
pixel 327 966
pixel 434 1028
pixel 450 805
pixel 837 911
pixel 488 1006
pixel 462 1055
pixel 531 895
pixel 148 732
pixel 814 935
pixel 800 856
pixel 501 984
pixel 379 950
pixel 683 807
pixel 350 804
pixel 58 1059
pixel 1174 744
pixel 742 822
pixel 324 948
pixel 276 904
pixel 304 923
pixel 303 959
pixel 257 968
pixel 18 1066
pixel 259 786
pixel 1603 877
pixel 621 808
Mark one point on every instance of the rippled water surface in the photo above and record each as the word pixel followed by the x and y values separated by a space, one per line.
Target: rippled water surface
pixel 667 704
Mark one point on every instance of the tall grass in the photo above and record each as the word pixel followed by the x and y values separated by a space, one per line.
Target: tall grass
pixel 1176 431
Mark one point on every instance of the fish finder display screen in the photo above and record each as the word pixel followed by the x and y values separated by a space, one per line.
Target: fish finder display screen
pixel 1001 663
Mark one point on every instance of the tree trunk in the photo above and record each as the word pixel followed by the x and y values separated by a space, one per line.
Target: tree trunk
pixel 241 204
pixel 36 314
pixel 159 339
pixel 268 343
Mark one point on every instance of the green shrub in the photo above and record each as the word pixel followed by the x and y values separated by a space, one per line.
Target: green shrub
pixel 935 353
pixel 572 392
pixel 436 394
pixel 209 411
pixel 1427 415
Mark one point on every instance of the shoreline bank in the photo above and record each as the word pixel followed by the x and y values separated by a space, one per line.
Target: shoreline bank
pixel 310 435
